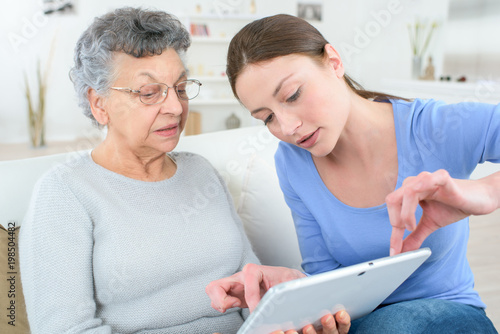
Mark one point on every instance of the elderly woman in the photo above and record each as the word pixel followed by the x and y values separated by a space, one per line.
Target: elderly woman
pixel 113 242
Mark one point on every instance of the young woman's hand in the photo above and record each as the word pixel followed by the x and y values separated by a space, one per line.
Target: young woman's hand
pixel 246 288
pixel 444 200
pixel 339 324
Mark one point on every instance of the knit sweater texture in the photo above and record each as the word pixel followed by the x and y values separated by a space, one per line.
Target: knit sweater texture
pixel 104 253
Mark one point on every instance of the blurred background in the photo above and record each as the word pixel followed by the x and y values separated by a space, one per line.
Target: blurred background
pixel 443 49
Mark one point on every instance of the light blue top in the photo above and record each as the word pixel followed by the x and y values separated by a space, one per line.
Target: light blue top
pixel 430 135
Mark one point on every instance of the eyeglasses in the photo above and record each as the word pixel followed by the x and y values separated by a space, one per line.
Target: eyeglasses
pixel 155 93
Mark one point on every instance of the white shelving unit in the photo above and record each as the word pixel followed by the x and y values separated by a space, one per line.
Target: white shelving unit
pixel 450 92
pixel 206 61
pixel 222 79
pixel 210 40
pixel 214 102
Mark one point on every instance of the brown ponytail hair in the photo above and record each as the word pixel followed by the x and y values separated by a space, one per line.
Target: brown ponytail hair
pixel 281 35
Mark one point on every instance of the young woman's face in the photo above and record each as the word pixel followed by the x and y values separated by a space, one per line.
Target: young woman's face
pixel 301 101
pixel 146 128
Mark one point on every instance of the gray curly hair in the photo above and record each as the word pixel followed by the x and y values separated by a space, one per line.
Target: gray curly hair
pixel 134 31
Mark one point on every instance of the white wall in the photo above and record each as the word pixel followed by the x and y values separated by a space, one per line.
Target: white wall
pixel 371 35
pixel 26 36
pixel 472 44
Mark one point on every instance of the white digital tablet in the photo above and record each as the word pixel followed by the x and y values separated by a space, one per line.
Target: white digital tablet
pixel 358 289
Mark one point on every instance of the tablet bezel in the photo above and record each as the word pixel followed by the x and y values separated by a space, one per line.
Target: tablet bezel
pixel 358 289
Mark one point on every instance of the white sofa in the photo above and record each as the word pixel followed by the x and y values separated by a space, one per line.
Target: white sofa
pixel 244 158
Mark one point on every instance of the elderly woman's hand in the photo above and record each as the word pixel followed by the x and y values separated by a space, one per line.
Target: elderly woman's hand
pixel 246 288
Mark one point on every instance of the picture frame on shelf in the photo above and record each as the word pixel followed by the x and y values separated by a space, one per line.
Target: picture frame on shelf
pixel 58 6
pixel 311 11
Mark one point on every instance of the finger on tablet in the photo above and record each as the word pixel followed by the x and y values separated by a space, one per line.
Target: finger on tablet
pixel 396 240
pixel 398 228
pixel 252 277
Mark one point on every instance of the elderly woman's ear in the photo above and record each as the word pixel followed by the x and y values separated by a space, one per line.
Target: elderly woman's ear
pixel 97 106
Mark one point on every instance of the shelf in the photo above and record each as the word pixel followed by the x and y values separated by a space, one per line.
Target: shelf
pixel 205 39
pixel 212 78
pixel 211 35
pixel 220 27
pixel 214 102
pixel 442 86
pixel 236 17
pixel 450 91
pixel 14 151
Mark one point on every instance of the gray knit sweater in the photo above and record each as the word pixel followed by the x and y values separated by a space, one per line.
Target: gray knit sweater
pixel 103 253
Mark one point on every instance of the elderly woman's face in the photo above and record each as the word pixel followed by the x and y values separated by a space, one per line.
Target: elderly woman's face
pixel 146 129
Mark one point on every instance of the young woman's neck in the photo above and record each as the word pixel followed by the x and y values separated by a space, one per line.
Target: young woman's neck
pixel 368 132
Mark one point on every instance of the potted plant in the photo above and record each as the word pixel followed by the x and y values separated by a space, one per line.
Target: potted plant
pixel 36 112
pixel 420 37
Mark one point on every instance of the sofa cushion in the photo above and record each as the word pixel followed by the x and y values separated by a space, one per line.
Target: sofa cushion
pixel 229 151
pixel 266 217
pixel 13 317
pixel 18 178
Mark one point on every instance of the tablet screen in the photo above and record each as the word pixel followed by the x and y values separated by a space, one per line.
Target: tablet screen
pixel 358 289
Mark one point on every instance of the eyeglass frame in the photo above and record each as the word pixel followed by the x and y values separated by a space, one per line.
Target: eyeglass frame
pixel 165 92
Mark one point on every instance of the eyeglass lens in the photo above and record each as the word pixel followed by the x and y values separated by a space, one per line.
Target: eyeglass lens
pixel 155 93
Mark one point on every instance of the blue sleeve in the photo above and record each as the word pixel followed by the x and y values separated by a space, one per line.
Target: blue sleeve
pixel 315 255
pixel 461 135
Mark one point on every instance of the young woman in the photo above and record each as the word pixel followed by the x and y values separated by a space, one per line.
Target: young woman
pixel 366 175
